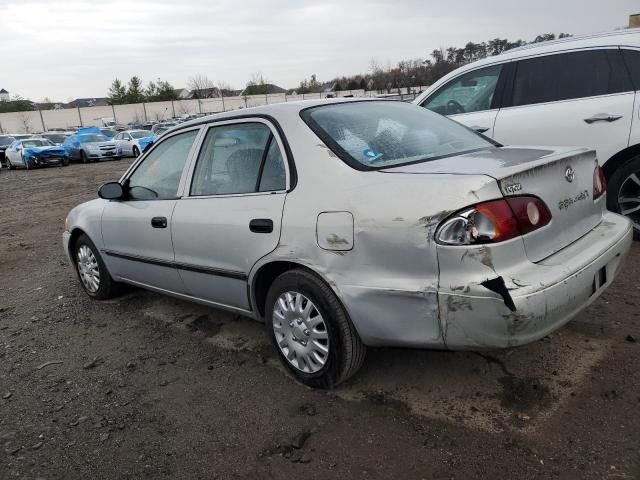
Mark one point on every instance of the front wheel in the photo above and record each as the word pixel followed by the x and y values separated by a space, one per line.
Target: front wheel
pixel 623 192
pixel 9 164
pixel 92 272
pixel 136 152
pixel 83 157
pixel 311 331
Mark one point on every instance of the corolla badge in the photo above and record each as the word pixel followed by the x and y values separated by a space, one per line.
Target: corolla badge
pixel 569 174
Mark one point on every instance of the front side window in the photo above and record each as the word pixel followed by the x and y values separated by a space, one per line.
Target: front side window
pixel 371 135
pixel 568 76
pixel 238 158
pixel 471 92
pixel 158 176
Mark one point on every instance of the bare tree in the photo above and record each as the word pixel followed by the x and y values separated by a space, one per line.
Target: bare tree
pixel 26 122
pixel 202 87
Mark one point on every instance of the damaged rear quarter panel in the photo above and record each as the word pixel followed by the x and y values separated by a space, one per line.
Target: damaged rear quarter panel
pixel 388 281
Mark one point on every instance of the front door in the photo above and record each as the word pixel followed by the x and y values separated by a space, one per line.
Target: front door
pixel 470 99
pixel 137 231
pixel 582 99
pixel 231 213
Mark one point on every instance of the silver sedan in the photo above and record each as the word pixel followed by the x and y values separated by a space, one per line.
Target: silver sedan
pixel 344 224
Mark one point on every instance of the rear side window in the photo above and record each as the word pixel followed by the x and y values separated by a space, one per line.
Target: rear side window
pixel 632 59
pixel 238 158
pixel 569 75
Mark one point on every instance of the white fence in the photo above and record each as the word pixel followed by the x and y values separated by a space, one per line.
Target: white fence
pixel 42 120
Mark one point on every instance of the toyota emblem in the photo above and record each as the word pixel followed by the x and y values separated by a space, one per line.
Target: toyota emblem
pixel 569 174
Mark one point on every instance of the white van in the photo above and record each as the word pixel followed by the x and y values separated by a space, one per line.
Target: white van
pixel 577 91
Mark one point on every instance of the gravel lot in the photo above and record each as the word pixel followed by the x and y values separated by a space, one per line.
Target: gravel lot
pixel 145 386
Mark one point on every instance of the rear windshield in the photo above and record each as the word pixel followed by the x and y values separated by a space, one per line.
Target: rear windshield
pixel 140 134
pixel 377 134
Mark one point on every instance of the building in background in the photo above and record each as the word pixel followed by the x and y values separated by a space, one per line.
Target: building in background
pixel 4 95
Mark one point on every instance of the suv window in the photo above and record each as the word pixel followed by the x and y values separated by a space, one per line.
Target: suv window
pixel 632 59
pixel 567 76
pixel 158 176
pixel 239 158
pixel 471 92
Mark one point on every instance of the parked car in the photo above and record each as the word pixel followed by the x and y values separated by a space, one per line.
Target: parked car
pixel 35 152
pixel 5 141
pixel 132 142
pixel 57 138
pixel 575 91
pixel 89 144
pixel 162 125
pixel 347 223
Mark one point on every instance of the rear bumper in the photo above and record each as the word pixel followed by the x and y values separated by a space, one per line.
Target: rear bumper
pixel 546 295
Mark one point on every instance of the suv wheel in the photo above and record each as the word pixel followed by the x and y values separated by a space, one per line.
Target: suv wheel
pixel 314 338
pixel 623 193
pixel 93 274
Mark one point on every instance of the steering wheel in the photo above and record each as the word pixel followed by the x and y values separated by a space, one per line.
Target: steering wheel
pixel 454 107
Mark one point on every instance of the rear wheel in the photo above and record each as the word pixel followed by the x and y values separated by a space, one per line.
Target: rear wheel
pixel 311 331
pixel 93 274
pixel 136 152
pixel 623 194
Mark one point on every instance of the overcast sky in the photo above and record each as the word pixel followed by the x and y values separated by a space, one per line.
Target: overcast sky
pixel 69 49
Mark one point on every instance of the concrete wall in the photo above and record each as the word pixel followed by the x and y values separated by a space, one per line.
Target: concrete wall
pixel 38 121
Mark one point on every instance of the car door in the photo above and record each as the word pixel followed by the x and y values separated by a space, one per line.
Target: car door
pixel 230 215
pixel 118 142
pixel 136 231
pixel 471 98
pixel 583 98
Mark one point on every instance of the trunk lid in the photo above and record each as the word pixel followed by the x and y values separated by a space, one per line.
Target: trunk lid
pixel 540 172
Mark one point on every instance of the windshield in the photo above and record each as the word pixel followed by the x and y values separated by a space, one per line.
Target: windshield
pixel 55 137
pixel 140 134
pixel 377 134
pixel 93 137
pixel 6 140
pixel 109 132
pixel 36 143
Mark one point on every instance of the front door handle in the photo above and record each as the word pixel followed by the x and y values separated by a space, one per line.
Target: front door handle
pixel 159 222
pixel 602 117
pixel 480 129
pixel 261 225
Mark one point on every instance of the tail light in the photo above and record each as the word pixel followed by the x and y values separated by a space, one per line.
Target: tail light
pixel 494 221
pixel 599 182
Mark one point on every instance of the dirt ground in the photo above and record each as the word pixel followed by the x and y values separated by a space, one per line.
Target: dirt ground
pixel 145 386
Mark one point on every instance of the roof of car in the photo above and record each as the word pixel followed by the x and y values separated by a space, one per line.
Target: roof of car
pixel 273 109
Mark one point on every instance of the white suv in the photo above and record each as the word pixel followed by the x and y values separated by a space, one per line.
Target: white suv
pixel 579 91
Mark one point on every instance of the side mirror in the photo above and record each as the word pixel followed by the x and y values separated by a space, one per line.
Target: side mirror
pixel 111 191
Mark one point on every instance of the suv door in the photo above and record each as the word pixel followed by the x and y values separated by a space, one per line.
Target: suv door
pixel 137 231
pixel 232 213
pixel 582 98
pixel 471 98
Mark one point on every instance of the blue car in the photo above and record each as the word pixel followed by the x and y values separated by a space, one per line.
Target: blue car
pixel 35 152
pixel 90 144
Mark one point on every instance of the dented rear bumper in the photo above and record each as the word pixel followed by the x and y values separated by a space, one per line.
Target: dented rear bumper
pixel 537 298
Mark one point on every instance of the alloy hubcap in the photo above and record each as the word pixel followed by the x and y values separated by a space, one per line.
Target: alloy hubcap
pixel 629 199
pixel 300 332
pixel 88 269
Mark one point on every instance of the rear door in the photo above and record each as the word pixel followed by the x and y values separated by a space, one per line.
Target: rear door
pixel 471 98
pixel 582 98
pixel 231 213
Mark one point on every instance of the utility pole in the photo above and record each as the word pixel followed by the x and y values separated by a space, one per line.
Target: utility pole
pixel 80 116
pixel 44 128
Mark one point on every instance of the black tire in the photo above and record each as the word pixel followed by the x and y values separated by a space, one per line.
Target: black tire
pixel 65 162
pixel 346 350
pixel 9 164
pixel 107 287
pixel 136 152
pixel 83 157
pixel 615 183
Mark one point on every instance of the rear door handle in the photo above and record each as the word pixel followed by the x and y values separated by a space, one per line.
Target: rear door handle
pixel 480 129
pixel 159 222
pixel 261 225
pixel 602 117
